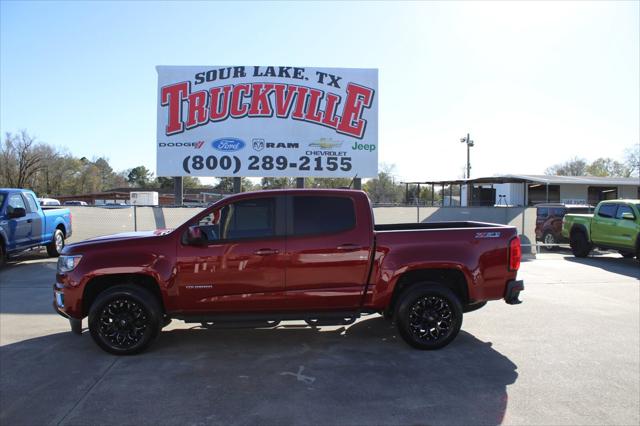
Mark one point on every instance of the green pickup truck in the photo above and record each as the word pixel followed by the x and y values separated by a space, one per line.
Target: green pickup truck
pixel 615 225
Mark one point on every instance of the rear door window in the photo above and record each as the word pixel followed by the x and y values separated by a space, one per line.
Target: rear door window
pixel 624 209
pixel 607 210
pixel 557 211
pixel 322 215
pixel 33 206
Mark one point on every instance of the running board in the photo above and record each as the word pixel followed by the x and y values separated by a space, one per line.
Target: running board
pixel 240 324
pixel 257 320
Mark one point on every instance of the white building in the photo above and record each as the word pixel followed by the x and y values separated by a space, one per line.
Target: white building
pixel 528 190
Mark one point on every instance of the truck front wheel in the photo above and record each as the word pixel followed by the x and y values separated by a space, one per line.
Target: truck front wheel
pixel 57 244
pixel 580 246
pixel 125 319
pixel 549 241
pixel 428 316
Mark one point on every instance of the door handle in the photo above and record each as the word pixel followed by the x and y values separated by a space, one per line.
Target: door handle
pixel 266 252
pixel 29 220
pixel 348 247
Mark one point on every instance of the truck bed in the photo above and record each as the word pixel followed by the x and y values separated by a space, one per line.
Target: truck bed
pixel 434 225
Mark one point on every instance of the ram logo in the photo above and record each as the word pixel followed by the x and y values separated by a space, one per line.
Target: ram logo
pixel 258 144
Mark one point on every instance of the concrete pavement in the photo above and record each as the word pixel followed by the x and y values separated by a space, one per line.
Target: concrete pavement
pixel 570 354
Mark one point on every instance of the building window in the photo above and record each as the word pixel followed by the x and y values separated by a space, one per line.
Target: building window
pixel 599 193
pixel 537 193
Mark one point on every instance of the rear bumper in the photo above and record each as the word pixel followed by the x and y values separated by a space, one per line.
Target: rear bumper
pixel 514 287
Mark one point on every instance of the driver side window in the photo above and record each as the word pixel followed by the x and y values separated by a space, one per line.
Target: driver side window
pixel 15 202
pixel 210 225
pixel 247 219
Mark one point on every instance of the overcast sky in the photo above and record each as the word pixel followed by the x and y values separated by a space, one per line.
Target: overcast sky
pixel 534 83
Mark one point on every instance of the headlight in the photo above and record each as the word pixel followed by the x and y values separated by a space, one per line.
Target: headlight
pixel 68 263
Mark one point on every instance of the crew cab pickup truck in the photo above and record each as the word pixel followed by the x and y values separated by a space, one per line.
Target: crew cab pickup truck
pixel 259 258
pixel 24 225
pixel 615 225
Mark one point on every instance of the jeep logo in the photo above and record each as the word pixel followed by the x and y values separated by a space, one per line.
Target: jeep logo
pixel 363 147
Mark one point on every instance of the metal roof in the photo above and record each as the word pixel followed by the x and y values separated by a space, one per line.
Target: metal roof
pixel 543 179
pixel 578 180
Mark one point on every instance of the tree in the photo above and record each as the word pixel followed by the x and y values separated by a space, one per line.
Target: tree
pixel 383 189
pixel 600 167
pixel 20 160
pixel 277 183
pixel 574 167
pixel 188 182
pixel 225 185
pixel 607 167
pixel 329 182
pixel 632 160
pixel 139 177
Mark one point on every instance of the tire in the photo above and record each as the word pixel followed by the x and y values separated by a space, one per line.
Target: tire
pixel 125 319
pixel 580 246
pixel 3 255
pixel 548 238
pixel 54 248
pixel 428 316
pixel 627 254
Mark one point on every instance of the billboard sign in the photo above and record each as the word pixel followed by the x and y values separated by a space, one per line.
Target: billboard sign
pixel 255 121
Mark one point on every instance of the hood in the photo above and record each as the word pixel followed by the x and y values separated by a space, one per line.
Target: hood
pixel 123 236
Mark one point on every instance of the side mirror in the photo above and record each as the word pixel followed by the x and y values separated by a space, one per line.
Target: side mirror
pixel 195 237
pixel 17 213
pixel 628 216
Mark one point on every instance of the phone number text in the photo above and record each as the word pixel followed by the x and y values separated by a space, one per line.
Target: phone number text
pixel 267 162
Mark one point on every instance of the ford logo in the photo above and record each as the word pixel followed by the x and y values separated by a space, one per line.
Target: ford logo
pixel 228 144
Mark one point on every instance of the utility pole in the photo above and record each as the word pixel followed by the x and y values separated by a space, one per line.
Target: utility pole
pixel 469 143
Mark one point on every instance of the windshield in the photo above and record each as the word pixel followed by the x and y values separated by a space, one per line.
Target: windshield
pixel 2 196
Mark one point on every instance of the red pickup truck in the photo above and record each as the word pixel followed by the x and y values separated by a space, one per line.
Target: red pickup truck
pixel 260 258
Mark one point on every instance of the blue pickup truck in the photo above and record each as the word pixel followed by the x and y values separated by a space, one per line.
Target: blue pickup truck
pixel 24 225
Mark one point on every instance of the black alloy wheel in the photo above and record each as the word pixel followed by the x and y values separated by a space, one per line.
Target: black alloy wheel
pixel 429 316
pixel 125 320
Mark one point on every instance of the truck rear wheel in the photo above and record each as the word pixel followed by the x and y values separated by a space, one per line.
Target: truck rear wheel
pixel 125 319
pixel 580 246
pixel 54 248
pixel 428 316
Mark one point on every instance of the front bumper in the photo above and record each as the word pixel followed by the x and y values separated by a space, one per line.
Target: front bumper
pixel 514 287
pixel 58 305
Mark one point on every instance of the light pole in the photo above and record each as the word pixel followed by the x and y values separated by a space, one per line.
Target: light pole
pixel 469 143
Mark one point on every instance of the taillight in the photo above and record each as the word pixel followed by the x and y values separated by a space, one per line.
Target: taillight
pixel 515 254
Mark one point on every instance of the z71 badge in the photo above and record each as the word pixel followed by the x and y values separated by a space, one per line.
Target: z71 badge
pixel 480 235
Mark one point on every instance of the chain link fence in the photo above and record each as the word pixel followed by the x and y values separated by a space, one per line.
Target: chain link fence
pixel 96 221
